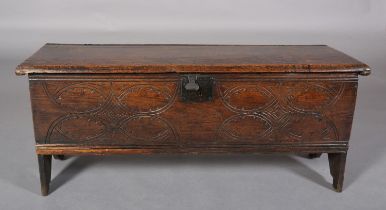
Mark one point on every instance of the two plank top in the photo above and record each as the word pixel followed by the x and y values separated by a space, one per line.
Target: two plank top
pixel 77 58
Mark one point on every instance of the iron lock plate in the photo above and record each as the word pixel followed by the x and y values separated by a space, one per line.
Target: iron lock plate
pixel 197 88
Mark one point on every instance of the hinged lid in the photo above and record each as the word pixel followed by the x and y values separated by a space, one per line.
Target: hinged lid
pixel 90 58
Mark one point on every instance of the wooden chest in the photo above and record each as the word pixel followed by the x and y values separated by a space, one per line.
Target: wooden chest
pixel 144 99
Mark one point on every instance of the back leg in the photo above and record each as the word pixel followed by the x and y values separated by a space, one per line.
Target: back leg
pixel 59 157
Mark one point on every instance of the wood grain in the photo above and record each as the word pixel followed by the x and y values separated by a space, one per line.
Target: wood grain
pixel 127 150
pixel 148 110
pixel 134 99
pixel 72 58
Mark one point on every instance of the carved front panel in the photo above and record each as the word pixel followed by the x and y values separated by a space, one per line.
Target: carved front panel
pixel 304 110
pixel 103 112
pixel 148 110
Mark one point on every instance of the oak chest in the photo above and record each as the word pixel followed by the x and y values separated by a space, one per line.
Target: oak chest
pixel 144 99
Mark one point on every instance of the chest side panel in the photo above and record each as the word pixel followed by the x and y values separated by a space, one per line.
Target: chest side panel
pixel 148 110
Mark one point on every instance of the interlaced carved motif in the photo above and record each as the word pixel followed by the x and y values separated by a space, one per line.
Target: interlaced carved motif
pixel 94 114
pixel 277 113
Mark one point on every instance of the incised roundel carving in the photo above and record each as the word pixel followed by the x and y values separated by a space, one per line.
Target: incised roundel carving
pixel 279 111
pixel 99 110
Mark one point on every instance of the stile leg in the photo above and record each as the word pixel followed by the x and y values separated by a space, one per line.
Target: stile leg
pixel 45 173
pixel 337 166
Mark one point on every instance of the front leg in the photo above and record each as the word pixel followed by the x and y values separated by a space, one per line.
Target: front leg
pixel 45 173
pixel 337 166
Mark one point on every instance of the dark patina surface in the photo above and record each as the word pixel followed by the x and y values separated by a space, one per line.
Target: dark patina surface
pixel 144 99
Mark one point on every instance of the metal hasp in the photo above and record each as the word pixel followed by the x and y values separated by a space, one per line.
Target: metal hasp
pixel 197 88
